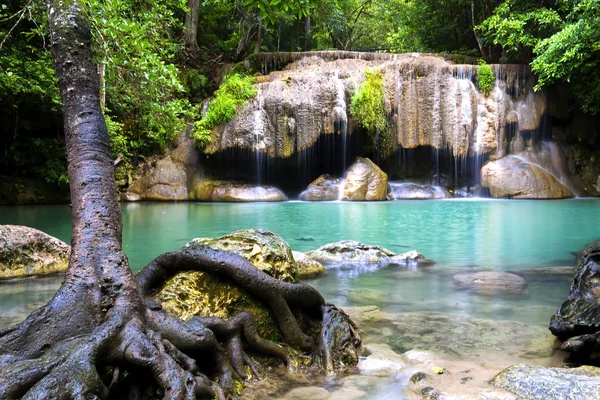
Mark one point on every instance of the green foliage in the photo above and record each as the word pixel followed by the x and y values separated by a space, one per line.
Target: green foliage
pixel 573 54
pixel 271 10
pixel 428 26
pixel 517 26
pixel 136 44
pixel 196 84
pixel 368 110
pixel 485 77
pixel 235 90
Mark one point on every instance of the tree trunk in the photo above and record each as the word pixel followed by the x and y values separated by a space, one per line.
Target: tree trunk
pixel 259 31
pixel 190 27
pixel 103 320
pixel 307 44
pixel 480 43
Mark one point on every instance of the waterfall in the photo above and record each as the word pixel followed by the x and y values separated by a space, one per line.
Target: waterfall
pixel 445 128
pixel 257 134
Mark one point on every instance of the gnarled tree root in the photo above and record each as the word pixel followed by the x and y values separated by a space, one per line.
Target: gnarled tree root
pixel 119 348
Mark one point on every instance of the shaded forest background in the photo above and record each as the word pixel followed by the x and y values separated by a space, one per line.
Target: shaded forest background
pixel 158 61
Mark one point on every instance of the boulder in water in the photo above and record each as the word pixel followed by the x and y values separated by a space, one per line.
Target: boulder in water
pixel 353 252
pixel 490 282
pixel 324 188
pixel 510 177
pixel 541 383
pixel 209 190
pixel 27 251
pixel 577 321
pixel 307 266
pixel 193 293
pixel 415 191
pixel 165 182
pixel 365 181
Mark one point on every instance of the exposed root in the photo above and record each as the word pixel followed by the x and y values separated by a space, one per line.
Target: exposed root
pixel 139 337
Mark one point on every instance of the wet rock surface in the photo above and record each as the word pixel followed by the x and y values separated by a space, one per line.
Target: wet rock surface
pixel 577 321
pixel 511 177
pixel 28 252
pixel 539 383
pixel 230 191
pixel 352 252
pixel 307 266
pixel 489 282
pixel 166 182
pixel 168 179
pixel 324 188
pixel 435 103
pixel 365 181
pixel 415 191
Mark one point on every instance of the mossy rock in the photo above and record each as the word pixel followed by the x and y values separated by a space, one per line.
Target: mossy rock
pixel 194 293
pixel 27 252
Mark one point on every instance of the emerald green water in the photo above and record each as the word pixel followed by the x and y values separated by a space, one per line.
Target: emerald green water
pixel 457 234
pixel 460 235
pixel 503 235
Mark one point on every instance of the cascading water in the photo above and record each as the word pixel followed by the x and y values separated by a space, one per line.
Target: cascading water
pixel 445 128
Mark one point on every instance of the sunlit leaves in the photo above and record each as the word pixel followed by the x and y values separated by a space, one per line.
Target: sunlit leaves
pixel 135 42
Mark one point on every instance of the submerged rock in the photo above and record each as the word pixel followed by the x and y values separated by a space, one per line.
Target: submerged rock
pixel 307 266
pixel 510 177
pixel 540 383
pixel 353 252
pixel 577 321
pixel 488 282
pixel 365 181
pixel 415 191
pixel 209 190
pixel 454 335
pixel 27 251
pixel 324 188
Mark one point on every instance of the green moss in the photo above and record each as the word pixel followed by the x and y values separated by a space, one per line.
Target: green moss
pixel 235 90
pixel 368 110
pixel 485 77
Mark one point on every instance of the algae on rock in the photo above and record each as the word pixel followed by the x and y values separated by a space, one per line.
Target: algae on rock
pixel 194 293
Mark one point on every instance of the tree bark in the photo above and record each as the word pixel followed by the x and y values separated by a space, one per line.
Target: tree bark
pixel 190 28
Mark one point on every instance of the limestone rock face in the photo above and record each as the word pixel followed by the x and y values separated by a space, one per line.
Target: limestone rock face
pixel 431 102
pixel 509 177
pixel 209 190
pixel 490 282
pixel 27 251
pixel 167 182
pixel 324 188
pixel 197 293
pixel 306 265
pixel 365 181
pixel 414 191
pixel 353 252
pixel 540 383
